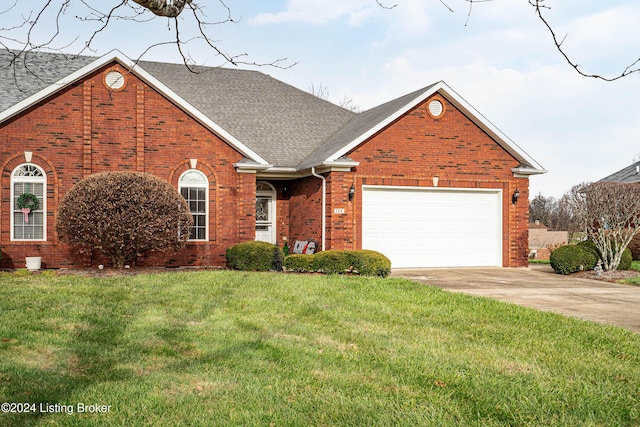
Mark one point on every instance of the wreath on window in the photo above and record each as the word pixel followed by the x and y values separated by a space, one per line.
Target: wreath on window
pixel 27 202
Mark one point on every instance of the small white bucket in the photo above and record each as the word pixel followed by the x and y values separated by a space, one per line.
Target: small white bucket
pixel 33 263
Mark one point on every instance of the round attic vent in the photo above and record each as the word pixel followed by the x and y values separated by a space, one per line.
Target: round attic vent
pixel 114 80
pixel 435 108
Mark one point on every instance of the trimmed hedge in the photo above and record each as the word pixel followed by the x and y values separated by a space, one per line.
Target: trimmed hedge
pixel 331 262
pixel 298 262
pixel 253 256
pixel 572 258
pixel 363 262
pixel 370 263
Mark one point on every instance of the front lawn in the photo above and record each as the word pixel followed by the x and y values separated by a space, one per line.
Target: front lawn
pixel 230 348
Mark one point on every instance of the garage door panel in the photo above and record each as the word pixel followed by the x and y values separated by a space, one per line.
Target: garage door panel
pixel 418 227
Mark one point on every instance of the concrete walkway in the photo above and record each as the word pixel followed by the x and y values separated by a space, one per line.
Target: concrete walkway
pixel 539 287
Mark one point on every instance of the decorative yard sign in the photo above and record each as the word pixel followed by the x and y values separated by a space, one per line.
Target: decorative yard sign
pixel 28 202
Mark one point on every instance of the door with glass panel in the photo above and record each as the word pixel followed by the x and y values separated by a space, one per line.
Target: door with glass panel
pixel 265 212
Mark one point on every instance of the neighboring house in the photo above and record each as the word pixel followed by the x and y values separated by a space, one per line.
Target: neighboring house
pixel 424 179
pixel 629 174
pixel 542 241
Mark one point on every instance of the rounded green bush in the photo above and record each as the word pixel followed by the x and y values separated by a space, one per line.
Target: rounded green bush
pixel 572 258
pixel 331 262
pixel 253 256
pixel 300 263
pixel 625 261
pixel 370 263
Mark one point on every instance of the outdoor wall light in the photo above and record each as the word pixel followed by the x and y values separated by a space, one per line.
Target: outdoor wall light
pixel 515 197
pixel 285 192
pixel 352 192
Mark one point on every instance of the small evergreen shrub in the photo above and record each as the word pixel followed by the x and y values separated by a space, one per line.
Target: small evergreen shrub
pixel 370 263
pixel 625 261
pixel 331 262
pixel 252 256
pixel 299 263
pixel 572 258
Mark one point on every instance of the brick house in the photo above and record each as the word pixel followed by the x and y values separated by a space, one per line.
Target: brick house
pixel 424 178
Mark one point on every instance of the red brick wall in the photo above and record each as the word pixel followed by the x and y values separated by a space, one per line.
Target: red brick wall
pixel 86 129
pixel 418 147
pixel 305 210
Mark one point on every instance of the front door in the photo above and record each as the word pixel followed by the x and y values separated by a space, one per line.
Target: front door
pixel 265 213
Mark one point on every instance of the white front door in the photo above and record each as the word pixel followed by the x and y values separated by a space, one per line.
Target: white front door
pixel 265 213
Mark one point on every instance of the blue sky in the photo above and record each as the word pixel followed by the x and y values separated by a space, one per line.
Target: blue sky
pixel 499 58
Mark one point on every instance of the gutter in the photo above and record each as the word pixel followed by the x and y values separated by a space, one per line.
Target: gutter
pixel 324 203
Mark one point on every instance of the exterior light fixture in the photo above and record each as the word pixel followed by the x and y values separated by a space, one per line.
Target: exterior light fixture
pixel 352 192
pixel 515 197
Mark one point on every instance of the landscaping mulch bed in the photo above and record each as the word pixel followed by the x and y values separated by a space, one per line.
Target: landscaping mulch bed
pixel 608 276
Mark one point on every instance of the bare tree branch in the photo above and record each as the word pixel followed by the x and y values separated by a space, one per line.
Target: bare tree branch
pixel 539 6
pixel 385 7
pixel 168 8
pixel 50 17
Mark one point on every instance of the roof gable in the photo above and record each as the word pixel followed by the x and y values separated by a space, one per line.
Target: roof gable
pixel 38 89
pixel 362 127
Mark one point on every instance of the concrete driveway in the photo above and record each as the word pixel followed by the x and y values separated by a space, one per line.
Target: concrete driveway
pixel 539 287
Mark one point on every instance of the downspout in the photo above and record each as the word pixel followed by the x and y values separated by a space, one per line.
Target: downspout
pixel 324 203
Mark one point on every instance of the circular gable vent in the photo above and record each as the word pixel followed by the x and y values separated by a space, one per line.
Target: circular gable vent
pixel 114 80
pixel 436 108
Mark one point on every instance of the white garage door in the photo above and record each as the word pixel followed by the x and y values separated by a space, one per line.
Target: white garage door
pixel 418 227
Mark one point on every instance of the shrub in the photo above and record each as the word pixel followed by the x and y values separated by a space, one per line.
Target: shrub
pixel 571 258
pixel 123 215
pixel 625 260
pixel 253 256
pixel 331 262
pixel 364 262
pixel 299 263
pixel 370 263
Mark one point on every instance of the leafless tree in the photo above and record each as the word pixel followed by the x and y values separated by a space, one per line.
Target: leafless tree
pixel 194 17
pixel 181 15
pixel 610 214
pixel 322 92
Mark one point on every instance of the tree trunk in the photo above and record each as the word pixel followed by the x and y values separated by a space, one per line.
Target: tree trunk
pixel 168 8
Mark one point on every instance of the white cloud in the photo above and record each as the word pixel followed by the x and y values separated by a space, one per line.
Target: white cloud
pixel 318 12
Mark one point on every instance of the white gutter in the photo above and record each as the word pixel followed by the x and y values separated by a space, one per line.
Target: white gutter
pixel 324 203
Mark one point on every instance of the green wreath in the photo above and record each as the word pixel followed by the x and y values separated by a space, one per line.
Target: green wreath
pixel 28 201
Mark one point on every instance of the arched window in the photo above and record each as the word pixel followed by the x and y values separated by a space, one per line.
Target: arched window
pixel 194 188
pixel 28 216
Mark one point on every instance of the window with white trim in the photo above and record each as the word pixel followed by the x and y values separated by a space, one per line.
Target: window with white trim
pixel 194 188
pixel 28 216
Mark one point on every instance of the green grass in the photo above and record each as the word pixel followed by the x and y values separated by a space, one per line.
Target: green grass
pixel 250 349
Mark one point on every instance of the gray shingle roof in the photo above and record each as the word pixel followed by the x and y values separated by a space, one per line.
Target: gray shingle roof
pixel 629 174
pixel 33 72
pixel 359 125
pixel 281 123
